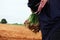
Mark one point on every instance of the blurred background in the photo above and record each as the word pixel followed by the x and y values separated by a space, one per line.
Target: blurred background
pixel 14 11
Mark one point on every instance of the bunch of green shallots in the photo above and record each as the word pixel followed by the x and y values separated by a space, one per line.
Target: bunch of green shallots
pixel 33 22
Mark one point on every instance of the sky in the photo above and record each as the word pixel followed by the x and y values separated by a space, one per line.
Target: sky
pixel 14 11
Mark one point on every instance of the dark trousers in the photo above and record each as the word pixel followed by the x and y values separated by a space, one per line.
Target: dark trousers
pixel 50 29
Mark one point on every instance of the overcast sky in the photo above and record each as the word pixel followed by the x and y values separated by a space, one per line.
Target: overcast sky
pixel 14 11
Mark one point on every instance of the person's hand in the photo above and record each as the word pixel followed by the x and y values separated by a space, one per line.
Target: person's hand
pixel 42 4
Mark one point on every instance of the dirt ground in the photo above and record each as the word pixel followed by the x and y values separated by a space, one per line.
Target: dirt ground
pixel 17 32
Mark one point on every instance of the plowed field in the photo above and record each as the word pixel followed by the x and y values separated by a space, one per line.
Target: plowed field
pixel 17 32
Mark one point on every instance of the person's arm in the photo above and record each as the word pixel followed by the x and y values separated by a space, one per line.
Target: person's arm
pixel 42 4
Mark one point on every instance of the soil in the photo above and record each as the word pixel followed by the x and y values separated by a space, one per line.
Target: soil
pixel 17 32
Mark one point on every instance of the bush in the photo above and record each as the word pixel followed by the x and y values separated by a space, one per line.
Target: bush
pixel 3 21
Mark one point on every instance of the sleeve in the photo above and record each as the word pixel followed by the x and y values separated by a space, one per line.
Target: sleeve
pixel 32 3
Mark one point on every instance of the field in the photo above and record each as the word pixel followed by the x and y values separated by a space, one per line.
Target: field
pixel 17 32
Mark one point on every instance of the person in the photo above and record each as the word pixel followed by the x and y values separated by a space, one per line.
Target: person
pixel 49 17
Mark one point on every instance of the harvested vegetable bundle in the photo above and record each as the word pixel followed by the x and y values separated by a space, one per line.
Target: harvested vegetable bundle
pixel 33 22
